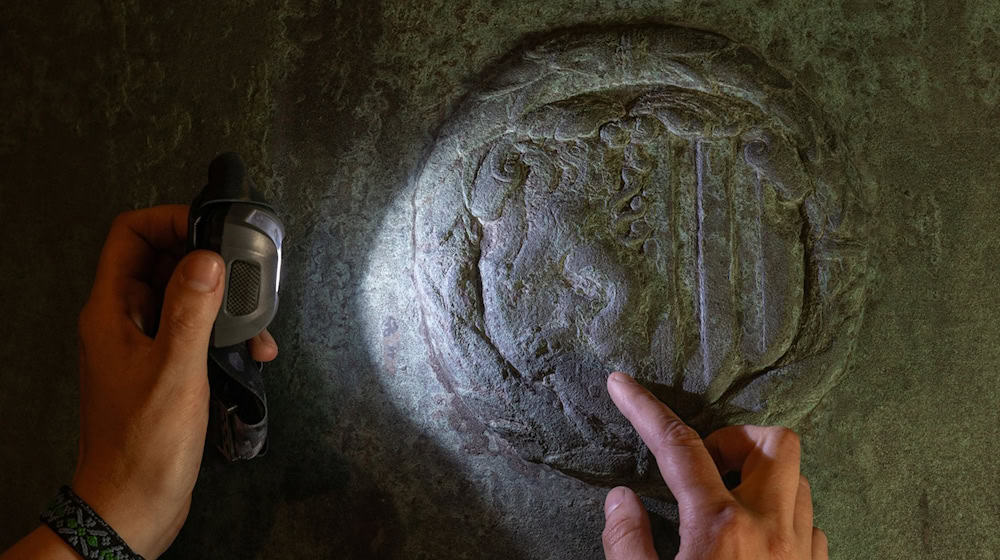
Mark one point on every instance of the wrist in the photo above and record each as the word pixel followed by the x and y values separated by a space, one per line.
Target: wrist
pixel 40 543
pixel 148 525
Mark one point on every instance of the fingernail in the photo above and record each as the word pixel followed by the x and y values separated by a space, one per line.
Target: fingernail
pixel 201 273
pixel 614 499
pixel 620 377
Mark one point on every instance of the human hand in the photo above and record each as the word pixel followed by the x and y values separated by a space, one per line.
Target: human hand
pixel 769 516
pixel 144 400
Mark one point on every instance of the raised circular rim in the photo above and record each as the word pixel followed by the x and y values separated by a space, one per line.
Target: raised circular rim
pixel 648 57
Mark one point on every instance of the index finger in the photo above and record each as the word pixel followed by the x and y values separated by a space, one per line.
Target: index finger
pixel 684 462
pixel 135 239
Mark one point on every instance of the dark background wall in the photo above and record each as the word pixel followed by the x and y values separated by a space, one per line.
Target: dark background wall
pixel 109 106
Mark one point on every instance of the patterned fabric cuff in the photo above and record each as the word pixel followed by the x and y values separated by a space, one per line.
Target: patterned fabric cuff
pixel 83 530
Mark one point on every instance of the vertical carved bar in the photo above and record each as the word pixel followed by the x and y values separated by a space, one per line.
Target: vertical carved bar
pixel 751 295
pixel 781 256
pixel 684 222
pixel 716 290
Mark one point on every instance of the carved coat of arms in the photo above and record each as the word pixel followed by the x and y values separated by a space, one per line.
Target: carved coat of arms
pixel 656 200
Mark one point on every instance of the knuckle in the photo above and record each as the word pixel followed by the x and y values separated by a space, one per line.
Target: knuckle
pixel 730 517
pixel 732 526
pixel 123 220
pixel 781 546
pixel 182 323
pixel 620 532
pixel 786 439
pixel 672 432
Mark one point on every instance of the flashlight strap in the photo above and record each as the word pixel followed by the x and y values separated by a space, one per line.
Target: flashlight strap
pixel 238 418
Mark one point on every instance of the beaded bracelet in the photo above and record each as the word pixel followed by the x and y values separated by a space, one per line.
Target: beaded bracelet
pixel 83 530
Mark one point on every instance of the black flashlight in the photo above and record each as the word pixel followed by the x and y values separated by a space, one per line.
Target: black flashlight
pixel 232 218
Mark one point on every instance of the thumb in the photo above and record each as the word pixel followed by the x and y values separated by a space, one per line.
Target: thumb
pixel 190 305
pixel 627 534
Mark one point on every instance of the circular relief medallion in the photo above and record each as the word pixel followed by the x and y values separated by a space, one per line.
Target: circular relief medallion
pixel 653 200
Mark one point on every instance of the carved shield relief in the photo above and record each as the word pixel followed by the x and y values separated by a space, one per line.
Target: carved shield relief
pixel 654 200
